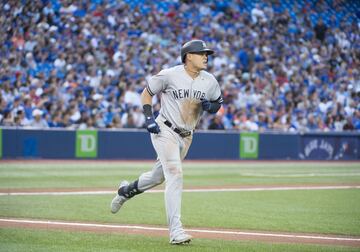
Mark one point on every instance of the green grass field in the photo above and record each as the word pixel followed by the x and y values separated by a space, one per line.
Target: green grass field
pixel 309 211
pixel 16 240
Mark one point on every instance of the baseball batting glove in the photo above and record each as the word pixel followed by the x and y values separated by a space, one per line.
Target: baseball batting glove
pixel 211 107
pixel 150 122
pixel 206 104
pixel 151 125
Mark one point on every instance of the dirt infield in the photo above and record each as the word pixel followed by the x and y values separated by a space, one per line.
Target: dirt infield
pixel 225 234
pixel 159 189
pixel 209 233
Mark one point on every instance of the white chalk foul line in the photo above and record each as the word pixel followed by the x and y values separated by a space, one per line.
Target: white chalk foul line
pixel 76 224
pixel 252 189
pixel 109 226
pixel 300 175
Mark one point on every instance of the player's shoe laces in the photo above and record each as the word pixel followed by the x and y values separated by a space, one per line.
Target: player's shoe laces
pixel 118 200
pixel 181 239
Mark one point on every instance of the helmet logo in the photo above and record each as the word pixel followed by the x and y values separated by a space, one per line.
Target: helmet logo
pixel 203 44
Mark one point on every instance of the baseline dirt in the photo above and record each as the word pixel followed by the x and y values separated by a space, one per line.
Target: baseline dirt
pixel 209 233
pixel 93 189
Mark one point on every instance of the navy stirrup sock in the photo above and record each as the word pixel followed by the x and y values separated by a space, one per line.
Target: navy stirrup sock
pixel 130 190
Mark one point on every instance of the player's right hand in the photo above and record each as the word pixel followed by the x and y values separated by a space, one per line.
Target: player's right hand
pixel 151 125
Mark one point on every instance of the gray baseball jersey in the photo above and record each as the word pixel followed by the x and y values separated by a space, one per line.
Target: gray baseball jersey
pixel 181 95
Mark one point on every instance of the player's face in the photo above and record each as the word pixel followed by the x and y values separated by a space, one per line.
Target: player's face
pixel 199 60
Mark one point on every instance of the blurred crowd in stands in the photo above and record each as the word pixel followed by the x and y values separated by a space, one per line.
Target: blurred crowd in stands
pixel 290 66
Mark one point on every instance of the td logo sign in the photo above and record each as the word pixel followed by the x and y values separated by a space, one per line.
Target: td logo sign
pixel 249 145
pixel 86 143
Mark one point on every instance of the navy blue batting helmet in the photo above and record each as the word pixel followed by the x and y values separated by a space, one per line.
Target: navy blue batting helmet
pixel 194 46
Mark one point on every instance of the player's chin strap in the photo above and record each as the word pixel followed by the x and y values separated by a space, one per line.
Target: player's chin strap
pixel 130 190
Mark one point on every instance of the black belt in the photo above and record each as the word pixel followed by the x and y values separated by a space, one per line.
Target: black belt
pixel 182 133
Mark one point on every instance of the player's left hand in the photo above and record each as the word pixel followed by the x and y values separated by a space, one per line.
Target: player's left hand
pixel 206 104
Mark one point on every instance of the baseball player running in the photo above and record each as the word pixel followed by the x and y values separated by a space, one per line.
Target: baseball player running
pixel 186 91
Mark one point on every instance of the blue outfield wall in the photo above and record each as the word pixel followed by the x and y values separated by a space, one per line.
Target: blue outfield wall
pixel 136 144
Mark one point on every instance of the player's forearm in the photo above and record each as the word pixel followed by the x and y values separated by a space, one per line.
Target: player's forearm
pixel 146 98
